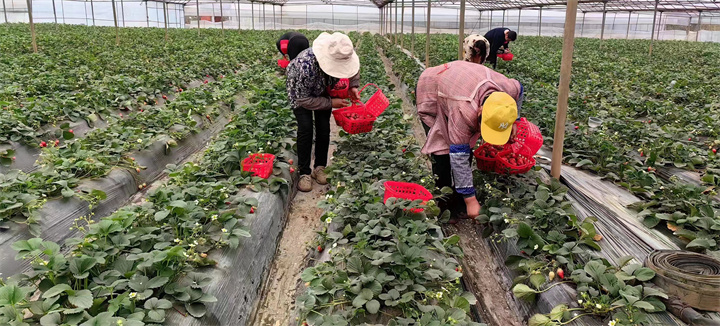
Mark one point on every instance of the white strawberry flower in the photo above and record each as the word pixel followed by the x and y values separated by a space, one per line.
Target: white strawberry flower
pixel 328 220
pixel 612 322
pixel 599 306
pixel 224 230
pixel 535 247
pixel 133 295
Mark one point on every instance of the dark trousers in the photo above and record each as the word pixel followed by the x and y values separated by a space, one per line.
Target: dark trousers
pixel 443 178
pixel 321 125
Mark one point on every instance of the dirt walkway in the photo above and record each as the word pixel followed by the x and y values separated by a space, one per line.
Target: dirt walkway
pixel 480 271
pixel 277 304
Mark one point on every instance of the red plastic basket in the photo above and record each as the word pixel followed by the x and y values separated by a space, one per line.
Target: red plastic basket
pixel 284 46
pixel 504 166
pixel 530 136
pixel 506 56
pixel 406 190
pixel 283 63
pixel 260 164
pixel 353 119
pixel 486 156
pixel 377 103
pixel 340 90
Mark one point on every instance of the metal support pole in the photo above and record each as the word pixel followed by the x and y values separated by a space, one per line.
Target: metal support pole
pixel 412 30
pixel 427 37
pixel 117 29
pixel 402 24
pixel 147 15
pixel 306 18
pixel 697 35
pixel 564 87
pixel 627 32
pixel 503 24
pixel 659 24
pixel 461 31
pixel 62 8
pixel 380 20
pixel 54 11
pixel 281 16
pixel 32 26
pixel 92 11
pixel 274 18
pixel 252 13
pixel 652 35
pixel 540 23
pixel 5 11
pixel 582 26
pixel 222 18
pixel 165 15
pixel 491 17
pixel 122 6
pixel 602 27
pixel 263 5
pixel 238 15
pixel 357 18
pixel 332 15
pixel 519 16
pixel 197 11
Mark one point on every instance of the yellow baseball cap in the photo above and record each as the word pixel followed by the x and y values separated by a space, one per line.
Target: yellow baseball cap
pixel 498 115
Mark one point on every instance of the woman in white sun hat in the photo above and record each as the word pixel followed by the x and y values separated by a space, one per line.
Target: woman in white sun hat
pixel 331 58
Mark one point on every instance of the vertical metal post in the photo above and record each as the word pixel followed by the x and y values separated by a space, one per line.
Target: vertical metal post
pixel 306 18
pixel 503 24
pixel 84 7
pixel 582 26
pixel 659 24
pixel 147 14
pixel 602 27
pixel 412 30
pixel 281 16
pixel 165 15
pixel 274 18
pixel 491 17
pixel 627 32
pixel 122 6
pixel 332 15
pixel 402 24
pixel 252 13
pixel 5 11
pixel 117 29
pixel 197 11
pixel 697 35
pixel 461 31
pixel 357 18
pixel 54 11
pixel 238 15
pixel 32 26
pixel 540 23
pixel 564 87
pixel 652 35
pixel 264 27
pixel 92 11
pixel 62 8
pixel 380 20
pixel 222 18
pixel 427 37
pixel 519 18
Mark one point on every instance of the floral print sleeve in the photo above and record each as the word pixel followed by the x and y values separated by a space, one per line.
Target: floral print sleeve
pixel 307 83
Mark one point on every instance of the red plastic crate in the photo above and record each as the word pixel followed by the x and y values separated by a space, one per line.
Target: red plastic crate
pixel 283 63
pixel 504 166
pixel 530 136
pixel 486 162
pixel 354 125
pixel 259 164
pixel 284 46
pixel 340 90
pixel 406 190
pixel 377 103
pixel 506 56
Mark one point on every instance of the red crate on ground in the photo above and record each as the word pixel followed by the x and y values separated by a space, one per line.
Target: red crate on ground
pixel 406 190
pixel 260 164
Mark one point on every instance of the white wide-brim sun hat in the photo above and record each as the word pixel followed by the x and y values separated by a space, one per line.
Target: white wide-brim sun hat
pixel 336 55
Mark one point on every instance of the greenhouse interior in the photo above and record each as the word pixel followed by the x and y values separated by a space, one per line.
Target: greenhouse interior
pixel 348 162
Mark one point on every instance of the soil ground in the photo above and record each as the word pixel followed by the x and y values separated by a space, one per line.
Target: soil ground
pixel 277 303
pixel 480 269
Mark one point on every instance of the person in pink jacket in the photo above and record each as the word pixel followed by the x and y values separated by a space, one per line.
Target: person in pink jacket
pixel 459 102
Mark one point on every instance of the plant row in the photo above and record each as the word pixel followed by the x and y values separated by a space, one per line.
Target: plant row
pixel 552 246
pixel 133 266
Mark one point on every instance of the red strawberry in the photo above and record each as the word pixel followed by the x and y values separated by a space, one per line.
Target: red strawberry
pixel 642 154
pixel 292 170
pixel 70 131
pixel 227 203
pixel 132 158
pixel 714 150
pixel 205 82
pixel 404 150
pixel 13 158
pixel 57 142
pixel 207 116
pixel 290 161
pixel 121 115
pixel 689 138
pixel 252 210
pixel 576 127
pixel 320 248
pixel 222 76
pixel 560 273
pixel 208 76
pixel 142 110
pixel 164 97
pixel 43 144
